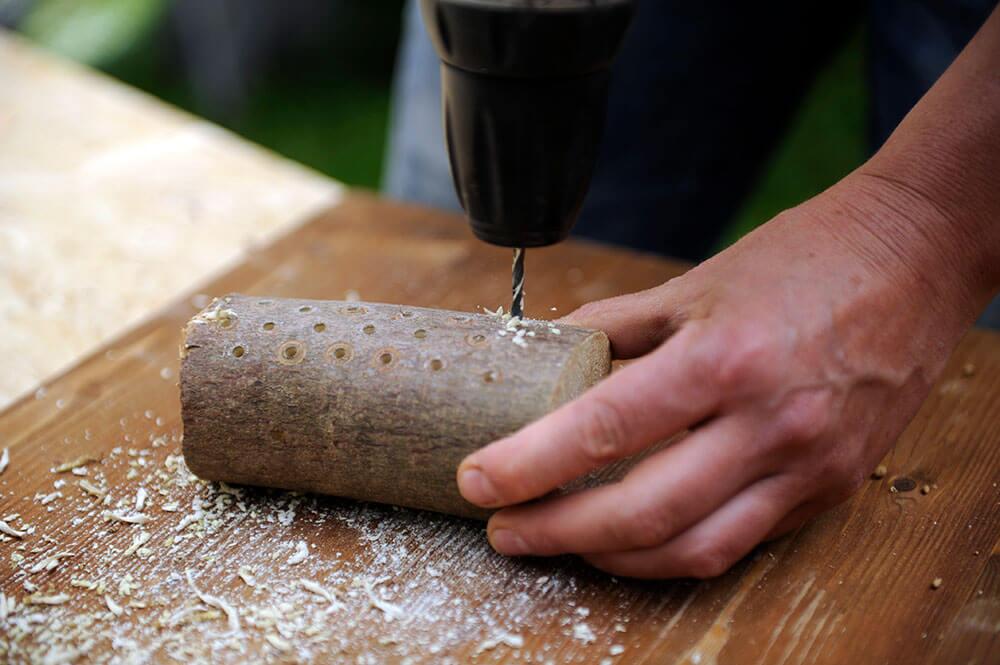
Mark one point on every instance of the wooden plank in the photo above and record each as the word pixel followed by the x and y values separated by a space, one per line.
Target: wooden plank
pixel 852 587
pixel 100 186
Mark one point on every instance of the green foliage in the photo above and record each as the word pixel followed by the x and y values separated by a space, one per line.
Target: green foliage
pixel 95 32
pixel 824 143
pixel 337 126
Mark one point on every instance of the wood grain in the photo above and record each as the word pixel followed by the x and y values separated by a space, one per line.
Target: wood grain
pixel 368 400
pixel 93 237
pixel 852 587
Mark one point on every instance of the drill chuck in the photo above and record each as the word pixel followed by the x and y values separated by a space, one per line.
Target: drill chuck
pixel 524 92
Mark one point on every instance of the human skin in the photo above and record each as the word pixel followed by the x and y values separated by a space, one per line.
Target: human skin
pixel 795 358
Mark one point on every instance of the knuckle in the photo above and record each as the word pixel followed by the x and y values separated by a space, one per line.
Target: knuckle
pixel 738 358
pixel 643 525
pixel 805 416
pixel 604 431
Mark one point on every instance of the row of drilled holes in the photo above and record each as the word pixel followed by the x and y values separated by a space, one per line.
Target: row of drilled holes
pixel 369 329
pixel 358 309
pixel 290 352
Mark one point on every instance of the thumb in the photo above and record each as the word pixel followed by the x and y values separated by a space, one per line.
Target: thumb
pixel 635 323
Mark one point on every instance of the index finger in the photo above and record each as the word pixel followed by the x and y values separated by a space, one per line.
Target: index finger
pixel 635 407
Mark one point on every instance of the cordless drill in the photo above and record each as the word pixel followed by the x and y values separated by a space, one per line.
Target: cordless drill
pixel 524 86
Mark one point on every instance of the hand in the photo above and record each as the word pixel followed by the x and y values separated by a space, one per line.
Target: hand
pixel 794 358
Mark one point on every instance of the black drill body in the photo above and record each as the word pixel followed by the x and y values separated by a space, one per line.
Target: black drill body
pixel 524 90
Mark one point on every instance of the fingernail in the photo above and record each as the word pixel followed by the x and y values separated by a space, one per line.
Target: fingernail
pixel 508 542
pixel 476 487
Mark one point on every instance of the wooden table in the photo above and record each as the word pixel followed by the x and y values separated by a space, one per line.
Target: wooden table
pixel 218 574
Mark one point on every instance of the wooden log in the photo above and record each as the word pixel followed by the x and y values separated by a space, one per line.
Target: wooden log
pixel 364 400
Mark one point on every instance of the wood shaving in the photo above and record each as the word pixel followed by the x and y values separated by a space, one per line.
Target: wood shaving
pixel 880 471
pixel 314 588
pixel 78 462
pixel 583 633
pixel 92 489
pixel 46 499
pixel 115 608
pixel 171 507
pixel 7 606
pixel 245 573
pixel 278 643
pixel 119 516
pixel 138 541
pixel 225 317
pixel 616 650
pixel 509 639
pixel 39 599
pixel 83 584
pixel 301 553
pixel 140 499
pixel 936 584
pixel 225 488
pixel 390 610
pixel 11 531
pixel 4 460
pixel 49 563
pixel 197 614
pixel 125 585
pixel 231 614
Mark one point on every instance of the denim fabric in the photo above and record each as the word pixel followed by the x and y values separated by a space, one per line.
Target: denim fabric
pixel 700 94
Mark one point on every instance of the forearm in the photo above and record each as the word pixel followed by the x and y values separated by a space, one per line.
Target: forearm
pixel 941 171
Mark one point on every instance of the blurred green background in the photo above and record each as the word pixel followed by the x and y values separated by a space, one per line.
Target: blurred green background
pixel 321 94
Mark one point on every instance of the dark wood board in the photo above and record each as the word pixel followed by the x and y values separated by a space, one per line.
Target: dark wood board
pixel 852 587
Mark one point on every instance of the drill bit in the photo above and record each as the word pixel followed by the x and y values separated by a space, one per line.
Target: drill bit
pixel 517 284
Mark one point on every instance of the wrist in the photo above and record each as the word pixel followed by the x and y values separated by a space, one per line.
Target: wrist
pixel 949 255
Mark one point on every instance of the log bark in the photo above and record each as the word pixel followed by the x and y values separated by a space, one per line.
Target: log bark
pixel 364 400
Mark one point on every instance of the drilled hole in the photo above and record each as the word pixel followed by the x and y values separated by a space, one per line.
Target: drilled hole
pixel 385 359
pixel 436 364
pixel 369 329
pixel 227 321
pixel 340 352
pixel 491 376
pixel 476 340
pixel 319 327
pixel 291 352
pixel 353 309
pixel 406 313
pixel 268 326
pixel 265 302
pixel 420 334
pixel 305 308
pixel 238 351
